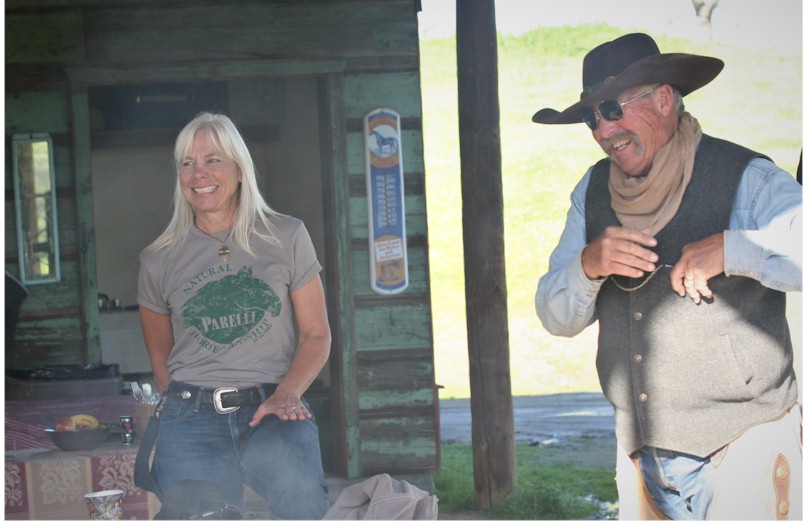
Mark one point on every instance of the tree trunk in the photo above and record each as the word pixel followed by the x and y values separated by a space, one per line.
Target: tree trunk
pixel 492 429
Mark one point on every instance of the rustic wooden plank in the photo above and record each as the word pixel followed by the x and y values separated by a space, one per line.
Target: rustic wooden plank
pixel 38 112
pixel 63 165
pixel 405 299
pixel 172 72
pixel 393 327
pixel 45 297
pixel 413 299
pixel 160 137
pixel 249 14
pixel 399 444
pixel 153 39
pixel 424 410
pixel 398 395
pixel 396 382
pixel 381 460
pixel 343 361
pixel 413 428
pixel 382 64
pixel 22 78
pixel 88 280
pixel 401 354
pixel 398 91
pixel 43 37
pixel 55 352
pixel 49 331
pixel 390 399
pixel 49 314
pixel 68 234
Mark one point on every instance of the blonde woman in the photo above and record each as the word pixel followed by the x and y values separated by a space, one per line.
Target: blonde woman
pixel 220 292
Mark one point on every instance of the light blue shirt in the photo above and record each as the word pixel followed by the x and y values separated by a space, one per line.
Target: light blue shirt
pixel 764 242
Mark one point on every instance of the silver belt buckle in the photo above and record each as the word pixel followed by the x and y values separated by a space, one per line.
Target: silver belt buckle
pixel 217 400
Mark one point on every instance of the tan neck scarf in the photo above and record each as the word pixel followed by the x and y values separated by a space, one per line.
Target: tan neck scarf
pixel 651 201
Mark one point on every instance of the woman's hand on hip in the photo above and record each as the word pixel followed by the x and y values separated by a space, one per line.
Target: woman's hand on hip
pixel 285 405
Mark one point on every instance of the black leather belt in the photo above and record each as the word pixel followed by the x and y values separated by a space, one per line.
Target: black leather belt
pixel 226 399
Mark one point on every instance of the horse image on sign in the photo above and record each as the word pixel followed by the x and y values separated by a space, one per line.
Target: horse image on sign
pixel 389 272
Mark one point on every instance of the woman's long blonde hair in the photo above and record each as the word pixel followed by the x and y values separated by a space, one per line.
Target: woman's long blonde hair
pixel 224 136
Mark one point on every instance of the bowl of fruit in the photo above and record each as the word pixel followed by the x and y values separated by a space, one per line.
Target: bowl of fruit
pixel 78 432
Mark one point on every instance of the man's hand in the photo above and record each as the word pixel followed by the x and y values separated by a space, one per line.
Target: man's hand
pixel 619 251
pixel 700 261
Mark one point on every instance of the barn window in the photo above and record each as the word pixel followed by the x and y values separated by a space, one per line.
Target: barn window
pixel 35 201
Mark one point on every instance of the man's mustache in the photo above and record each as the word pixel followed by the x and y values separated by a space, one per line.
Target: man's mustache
pixel 609 144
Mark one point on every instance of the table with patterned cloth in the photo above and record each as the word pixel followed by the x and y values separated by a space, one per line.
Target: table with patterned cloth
pixel 43 482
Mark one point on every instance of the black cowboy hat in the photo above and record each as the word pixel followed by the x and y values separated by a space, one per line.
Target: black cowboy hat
pixel 630 61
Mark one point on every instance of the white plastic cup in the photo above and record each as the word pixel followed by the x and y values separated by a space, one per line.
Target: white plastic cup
pixel 105 504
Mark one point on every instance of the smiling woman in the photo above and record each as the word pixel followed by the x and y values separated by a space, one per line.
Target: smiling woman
pixel 225 352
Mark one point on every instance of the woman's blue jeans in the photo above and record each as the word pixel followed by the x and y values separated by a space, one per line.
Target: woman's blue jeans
pixel 279 460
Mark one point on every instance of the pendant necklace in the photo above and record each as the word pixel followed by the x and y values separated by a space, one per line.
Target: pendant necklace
pixel 224 251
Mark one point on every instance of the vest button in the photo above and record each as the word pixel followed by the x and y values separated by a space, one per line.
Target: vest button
pixel 637 358
pixel 637 316
pixel 643 397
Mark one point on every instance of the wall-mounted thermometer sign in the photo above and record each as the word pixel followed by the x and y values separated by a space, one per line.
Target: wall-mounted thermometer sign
pixel 389 272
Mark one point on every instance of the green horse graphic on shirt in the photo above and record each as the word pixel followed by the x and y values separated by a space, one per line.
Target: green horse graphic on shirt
pixel 224 310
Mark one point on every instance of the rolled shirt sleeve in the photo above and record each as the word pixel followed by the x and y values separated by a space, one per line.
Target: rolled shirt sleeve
pixel 566 297
pixel 764 240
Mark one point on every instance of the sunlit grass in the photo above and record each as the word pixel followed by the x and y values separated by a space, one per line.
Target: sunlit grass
pixel 546 489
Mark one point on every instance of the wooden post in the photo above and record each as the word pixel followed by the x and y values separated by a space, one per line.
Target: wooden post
pixel 492 429
pixel 87 273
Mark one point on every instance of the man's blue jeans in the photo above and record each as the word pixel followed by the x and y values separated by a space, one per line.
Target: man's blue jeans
pixel 681 485
pixel 279 460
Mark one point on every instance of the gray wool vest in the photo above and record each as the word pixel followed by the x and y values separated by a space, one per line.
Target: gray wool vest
pixel 685 377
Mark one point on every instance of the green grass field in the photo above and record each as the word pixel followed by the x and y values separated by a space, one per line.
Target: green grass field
pixel 547 489
pixel 756 101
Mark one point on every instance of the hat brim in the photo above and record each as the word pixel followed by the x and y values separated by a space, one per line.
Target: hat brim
pixel 685 72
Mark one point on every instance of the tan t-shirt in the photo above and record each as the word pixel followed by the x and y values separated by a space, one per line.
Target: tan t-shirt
pixel 233 322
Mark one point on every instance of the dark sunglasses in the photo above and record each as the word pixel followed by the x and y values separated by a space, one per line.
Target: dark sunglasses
pixel 611 110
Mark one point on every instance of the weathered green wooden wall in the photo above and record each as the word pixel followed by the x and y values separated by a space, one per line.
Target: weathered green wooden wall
pixel 393 336
pixel 366 53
